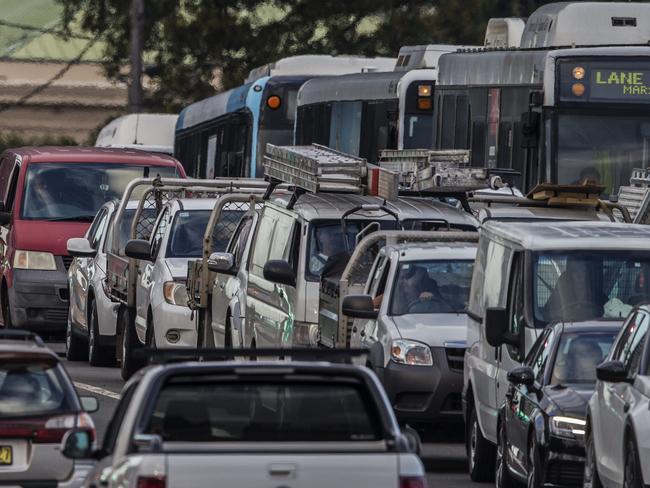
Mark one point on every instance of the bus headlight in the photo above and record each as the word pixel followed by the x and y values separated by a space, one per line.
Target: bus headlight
pixel 175 293
pixel 40 260
pixel 568 427
pixel 411 352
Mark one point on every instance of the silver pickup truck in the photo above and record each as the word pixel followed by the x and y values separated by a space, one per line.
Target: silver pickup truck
pixel 253 424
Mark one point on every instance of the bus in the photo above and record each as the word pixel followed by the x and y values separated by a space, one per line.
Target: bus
pixel 363 113
pixel 569 104
pixel 225 135
pixel 147 132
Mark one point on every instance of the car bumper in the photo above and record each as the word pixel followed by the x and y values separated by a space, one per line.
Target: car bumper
pixel 170 320
pixel 425 394
pixel 564 462
pixel 39 299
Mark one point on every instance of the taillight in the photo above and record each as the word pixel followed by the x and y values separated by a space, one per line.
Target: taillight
pixel 151 482
pixel 46 430
pixel 412 482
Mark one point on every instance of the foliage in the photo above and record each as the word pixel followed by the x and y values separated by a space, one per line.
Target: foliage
pixel 11 140
pixel 188 41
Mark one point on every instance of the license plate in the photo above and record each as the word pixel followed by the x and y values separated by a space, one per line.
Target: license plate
pixel 6 455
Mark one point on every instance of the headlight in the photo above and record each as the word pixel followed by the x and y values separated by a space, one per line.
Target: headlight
pixel 411 352
pixel 34 260
pixel 175 293
pixel 569 427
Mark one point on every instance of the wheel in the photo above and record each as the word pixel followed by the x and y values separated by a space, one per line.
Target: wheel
pixel 6 314
pixel 128 343
pixel 150 336
pixel 481 454
pixel 253 357
pixel 535 474
pixel 75 347
pixel 97 355
pixel 591 478
pixel 632 477
pixel 227 342
pixel 502 477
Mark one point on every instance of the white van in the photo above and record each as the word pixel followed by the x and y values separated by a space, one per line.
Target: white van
pixel 148 132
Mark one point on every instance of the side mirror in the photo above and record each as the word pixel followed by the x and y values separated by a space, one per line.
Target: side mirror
pixel 359 307
pixel 280 272
pixel 79 247
pixel 612 372
pixel 138 249
pixel 89 404
pixel 523 375
pixel 496 328
pixel 5 217
pixel 151 443
pixel 77 444
pixel 221 262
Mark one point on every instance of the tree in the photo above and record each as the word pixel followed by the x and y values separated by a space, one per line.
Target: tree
pixel 187 41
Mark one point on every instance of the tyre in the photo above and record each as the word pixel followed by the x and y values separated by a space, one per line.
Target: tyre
pixel 75 347
pixel 632 477
pixel 6 314
pixel 98 355
pixel 150 336
pixel 481 454
pixel 535 470
pixel 129 345
pixel 502 477
pixel 590 478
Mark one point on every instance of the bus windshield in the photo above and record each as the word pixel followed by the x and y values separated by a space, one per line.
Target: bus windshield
pixel 604 148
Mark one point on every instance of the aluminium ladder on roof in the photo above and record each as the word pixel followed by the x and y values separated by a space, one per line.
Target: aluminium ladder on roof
pixel 636 196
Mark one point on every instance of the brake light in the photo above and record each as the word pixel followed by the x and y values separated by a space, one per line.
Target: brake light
pixel 151 482
pixel 412 482
pixel 46 430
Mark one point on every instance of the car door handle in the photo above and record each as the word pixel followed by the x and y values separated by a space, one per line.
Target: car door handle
pixel 362 333
pixel 282 469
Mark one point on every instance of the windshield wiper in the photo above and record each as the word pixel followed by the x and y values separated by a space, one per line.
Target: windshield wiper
pixel 73 218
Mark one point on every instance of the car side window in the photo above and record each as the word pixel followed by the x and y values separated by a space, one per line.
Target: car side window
pixel 540 360
pixel 516 301
pixel 281 242
pixel 377 276
pixel 159 232
pixel 239 240
pixel 113 429
pixel 11 188
pixel 262 244
pixel 630 347
pixel 98 228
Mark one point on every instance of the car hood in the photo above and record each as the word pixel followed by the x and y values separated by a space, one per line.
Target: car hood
pixel 178 267
pixel 569 400
pixel 40 235
pixel 434 329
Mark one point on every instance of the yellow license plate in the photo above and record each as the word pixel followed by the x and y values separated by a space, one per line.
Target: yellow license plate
pixel 6 455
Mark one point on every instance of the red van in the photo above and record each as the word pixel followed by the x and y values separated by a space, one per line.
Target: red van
pixel 47 196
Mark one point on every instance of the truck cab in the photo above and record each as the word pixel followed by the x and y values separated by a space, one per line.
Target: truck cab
pixel 530 275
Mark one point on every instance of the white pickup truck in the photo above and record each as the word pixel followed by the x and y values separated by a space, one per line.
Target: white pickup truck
pixel 253 424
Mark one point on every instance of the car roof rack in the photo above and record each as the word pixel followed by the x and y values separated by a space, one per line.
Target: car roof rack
pixel 175 355
pixel 636 196
pixel 21 335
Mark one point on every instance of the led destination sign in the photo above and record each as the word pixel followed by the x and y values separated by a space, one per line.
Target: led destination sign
pixel 602 81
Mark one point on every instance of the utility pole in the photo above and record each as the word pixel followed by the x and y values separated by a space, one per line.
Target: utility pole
pixel 136 18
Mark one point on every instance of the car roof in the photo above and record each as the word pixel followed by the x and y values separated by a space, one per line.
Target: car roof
pixel 569 235
pixel 312 206
pixel 17 347
pixel 80 154
pixel 588 326
pixel 542 213
pixel 434 250
pixel 194 203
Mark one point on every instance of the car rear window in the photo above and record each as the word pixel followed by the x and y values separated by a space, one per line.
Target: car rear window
pixel 264 412
pixel 29 388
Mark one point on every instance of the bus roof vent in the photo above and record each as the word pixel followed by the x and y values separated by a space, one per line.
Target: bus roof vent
pixel 424 56
pixel 504 32
pixel 320 65
pixel 588 24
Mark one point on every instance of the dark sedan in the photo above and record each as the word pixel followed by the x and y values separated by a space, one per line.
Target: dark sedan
pixel 542 423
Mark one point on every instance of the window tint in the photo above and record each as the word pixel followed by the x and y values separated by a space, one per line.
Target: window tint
pixel 97 229
pixel 31 388
pixel 159 232
pixel 193 410
pixel 113 429
pixel 540 360
pixel 496 274
pixel 186 234
pixel 281 241
pixel 476 301
pixel 11 189
pixel 630 345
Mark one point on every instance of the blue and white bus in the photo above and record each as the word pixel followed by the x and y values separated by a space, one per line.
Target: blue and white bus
pixel 363 113
pixel 225 135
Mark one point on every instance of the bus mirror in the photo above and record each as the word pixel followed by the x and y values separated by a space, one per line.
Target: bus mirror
pixel 529 129
pixel 536 98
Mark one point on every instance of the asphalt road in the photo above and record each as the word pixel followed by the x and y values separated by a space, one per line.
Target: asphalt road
pixel 443 452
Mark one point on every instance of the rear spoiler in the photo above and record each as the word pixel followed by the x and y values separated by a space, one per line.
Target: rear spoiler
pixel 174 355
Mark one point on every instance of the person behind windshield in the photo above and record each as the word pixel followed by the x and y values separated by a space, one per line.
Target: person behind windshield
pixel 417 292
pixel 579 363
pixel 188 237
pixel 329 241
pixel 573 298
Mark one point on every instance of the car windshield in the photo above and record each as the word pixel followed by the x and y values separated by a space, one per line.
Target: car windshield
pixel 76 191
pixel 196 410
pixel 578 355
pixel 31 388
pixel 604 152
pixel 585 285
pixel 432 287
pixel 188 230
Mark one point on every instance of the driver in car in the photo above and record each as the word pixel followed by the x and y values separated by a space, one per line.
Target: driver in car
pixel 417 292
pixel 328 242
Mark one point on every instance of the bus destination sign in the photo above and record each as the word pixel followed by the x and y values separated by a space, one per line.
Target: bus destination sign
pixel 613 82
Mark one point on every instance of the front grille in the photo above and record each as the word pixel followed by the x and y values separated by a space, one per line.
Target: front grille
pixel 67 261
pixel 564 473
pixel 56 315
pixel 455 358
